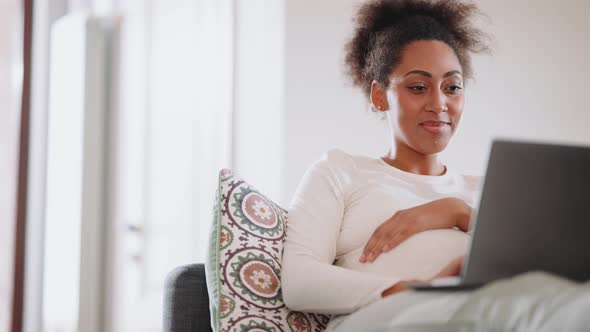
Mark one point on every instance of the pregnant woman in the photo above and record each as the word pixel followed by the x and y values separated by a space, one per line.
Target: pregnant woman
pixel 359 227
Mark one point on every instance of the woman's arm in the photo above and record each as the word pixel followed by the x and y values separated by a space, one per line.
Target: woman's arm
pixel 439 214
pixel 310 281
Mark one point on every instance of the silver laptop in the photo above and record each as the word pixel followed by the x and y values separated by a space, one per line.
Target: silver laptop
pixel 534 214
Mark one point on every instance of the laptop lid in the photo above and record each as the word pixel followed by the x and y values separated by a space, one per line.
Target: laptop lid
pixel 534 213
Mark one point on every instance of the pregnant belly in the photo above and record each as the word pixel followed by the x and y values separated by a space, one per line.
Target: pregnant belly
pixel 419 257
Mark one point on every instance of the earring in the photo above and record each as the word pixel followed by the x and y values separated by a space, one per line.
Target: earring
pixel 377 108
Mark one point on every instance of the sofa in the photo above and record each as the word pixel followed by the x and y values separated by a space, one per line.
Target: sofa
pixel 186 302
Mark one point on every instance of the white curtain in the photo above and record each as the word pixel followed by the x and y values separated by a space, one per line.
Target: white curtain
pixel 170 105
pixel 188 128
pixel 174 133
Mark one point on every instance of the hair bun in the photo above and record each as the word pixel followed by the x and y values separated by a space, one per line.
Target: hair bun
pixel 392 24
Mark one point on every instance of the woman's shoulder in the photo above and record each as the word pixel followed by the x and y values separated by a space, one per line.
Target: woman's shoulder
pixel 339 159
pixel 340 164
pixel 334 158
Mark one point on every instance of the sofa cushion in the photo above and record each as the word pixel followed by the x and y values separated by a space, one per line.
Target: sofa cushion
pixel 244 263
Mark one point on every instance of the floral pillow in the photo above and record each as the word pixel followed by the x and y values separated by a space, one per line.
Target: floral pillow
pixel 244 264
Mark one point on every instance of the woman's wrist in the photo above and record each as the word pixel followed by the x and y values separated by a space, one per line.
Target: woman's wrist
pixel 457 213
pixel 463 216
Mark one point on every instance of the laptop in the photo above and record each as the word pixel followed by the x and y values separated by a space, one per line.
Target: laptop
pixel 534 214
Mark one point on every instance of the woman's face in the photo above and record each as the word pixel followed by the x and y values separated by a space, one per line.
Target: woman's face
pixel 425 97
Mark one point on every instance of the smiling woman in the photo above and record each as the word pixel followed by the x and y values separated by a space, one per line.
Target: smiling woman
pixel 428 102
pixel 367 224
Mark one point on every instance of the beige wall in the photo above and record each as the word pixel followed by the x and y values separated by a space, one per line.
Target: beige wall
pixel 532 87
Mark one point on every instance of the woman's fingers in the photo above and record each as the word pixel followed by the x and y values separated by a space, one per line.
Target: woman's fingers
pixel 373 248
pixel 369 247
pixel 393 241
pixel 379 244
pixel 387 236
pixel 399 237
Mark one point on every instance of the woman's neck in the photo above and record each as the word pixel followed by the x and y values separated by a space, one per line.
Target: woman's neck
pixel 409 160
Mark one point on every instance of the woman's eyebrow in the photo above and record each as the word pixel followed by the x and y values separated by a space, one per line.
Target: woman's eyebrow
pixel 452 72
pixel 419 72
pixel 427 74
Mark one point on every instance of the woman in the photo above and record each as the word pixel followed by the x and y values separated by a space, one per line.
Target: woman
pixel 359 227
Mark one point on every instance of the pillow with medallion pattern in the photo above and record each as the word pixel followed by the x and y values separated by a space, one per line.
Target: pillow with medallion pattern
pixel 244 264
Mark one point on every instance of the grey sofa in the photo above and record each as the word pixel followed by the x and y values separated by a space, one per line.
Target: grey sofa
pixel 186 302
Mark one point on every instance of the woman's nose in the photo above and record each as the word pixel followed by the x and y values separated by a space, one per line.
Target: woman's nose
pixel 438 102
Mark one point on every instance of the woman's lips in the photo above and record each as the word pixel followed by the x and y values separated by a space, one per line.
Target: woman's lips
pixel 435 127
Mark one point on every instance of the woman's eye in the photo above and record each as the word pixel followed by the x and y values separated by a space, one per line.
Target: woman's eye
pixel 417 88
pixel 455 89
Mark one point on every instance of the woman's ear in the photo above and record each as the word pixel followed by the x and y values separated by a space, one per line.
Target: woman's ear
pixel 378 97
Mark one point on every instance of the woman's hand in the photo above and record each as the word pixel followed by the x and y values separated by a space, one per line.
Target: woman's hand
pixel 439 214
pixel 452 269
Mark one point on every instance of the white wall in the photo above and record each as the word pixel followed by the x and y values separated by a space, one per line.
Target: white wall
pixel 258 98
pixel 322 109
pixel 532 87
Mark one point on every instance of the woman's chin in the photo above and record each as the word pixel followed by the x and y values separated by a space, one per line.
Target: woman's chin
pixel 433 146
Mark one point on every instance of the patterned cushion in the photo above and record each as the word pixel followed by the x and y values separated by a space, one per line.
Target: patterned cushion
pixel 244 267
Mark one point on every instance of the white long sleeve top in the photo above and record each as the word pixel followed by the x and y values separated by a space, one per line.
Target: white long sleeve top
pixel 339 203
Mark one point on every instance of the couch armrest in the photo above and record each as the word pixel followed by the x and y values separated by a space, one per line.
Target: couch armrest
pixel 186 302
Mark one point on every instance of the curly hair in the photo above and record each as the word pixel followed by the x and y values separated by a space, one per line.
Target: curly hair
pixel 385 27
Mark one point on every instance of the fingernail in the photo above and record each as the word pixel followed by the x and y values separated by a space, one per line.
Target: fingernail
pixel 362 259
